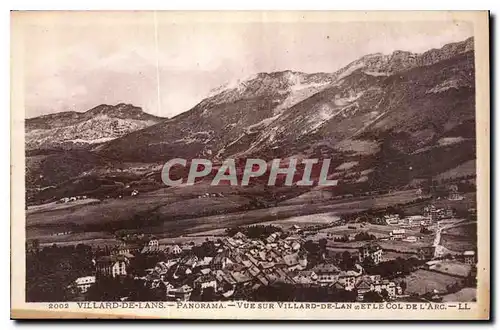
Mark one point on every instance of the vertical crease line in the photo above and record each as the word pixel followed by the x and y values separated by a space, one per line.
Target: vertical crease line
pixel 157 64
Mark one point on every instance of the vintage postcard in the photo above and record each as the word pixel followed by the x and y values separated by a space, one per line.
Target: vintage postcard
pixel 250 165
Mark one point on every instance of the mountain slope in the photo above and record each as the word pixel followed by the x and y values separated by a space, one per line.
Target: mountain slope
pixel 386 116
pixel 74 129
pixel 433 91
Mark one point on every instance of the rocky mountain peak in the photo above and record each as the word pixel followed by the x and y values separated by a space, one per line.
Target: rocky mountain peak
pixel 400 60
pixel 99 124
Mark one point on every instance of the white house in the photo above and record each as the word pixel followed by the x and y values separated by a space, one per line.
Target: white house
pixel 84 283
pixel 153 242
pixel 175 249
pixel 372 250
pixel 112 266
pixel 410 239
pixel 391 219
pixel 397 234
pixel 470 257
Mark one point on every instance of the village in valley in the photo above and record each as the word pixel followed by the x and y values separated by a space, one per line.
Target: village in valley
pixel 372 256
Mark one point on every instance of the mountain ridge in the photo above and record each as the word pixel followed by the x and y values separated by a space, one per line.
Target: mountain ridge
pixel 79 129
pixel 375 109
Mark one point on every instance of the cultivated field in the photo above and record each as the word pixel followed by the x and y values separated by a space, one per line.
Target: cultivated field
pixel 376 230
pixel 460 238
pixel 172 212
pixel 467 168
pixel 464 295
pixel 54 206
pixel 388 245
pixel 452 268
pixel 304 220
pixel 423 281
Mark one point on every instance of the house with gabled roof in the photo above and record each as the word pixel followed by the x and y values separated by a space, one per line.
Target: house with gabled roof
pixel 372 250
pixel 112 266
pixel 205 281
pixel 221 260
pixel 239 235
pixel 338 285
pixel 363 285
pixel 327 273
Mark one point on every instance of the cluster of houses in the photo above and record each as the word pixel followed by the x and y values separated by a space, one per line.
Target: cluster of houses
pixel 400 235
pixel 241 264
pixel 208 195
pixel 71 199
pixel 435 214
pixel 431 214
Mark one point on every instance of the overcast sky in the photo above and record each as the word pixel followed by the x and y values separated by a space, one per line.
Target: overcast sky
pixel 76 64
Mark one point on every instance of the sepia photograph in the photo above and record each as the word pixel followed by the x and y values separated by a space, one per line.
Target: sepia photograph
pixel 250 165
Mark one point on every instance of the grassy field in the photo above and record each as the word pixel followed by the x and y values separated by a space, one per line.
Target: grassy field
pixel 75 237
pixel 467 168
pixel 304 220
pixel 423 281
pixel 377 230
pixel 452 268
pixel 60 206
pixel 179 211
pixel 469 201
pixel 94 242
pixel 460 238
pixel 464 295
pixel 457 243
pixel 406 246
